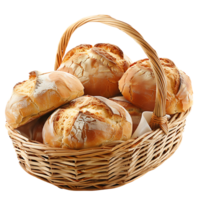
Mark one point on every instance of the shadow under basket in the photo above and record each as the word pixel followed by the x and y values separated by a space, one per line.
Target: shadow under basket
pixel 99 168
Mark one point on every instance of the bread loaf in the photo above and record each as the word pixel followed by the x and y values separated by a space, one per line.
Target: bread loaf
pixel 134 111
pixel 39 95
pixel 138 86
pixel 99 68
pixel 87 122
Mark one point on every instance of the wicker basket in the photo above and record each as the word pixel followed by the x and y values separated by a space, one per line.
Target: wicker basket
pixel 116 163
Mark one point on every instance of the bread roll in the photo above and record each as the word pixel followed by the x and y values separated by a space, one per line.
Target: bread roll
pixel 138 86
pixel 99 68
pixel 39 95
pixel 134 111
pixel 87 122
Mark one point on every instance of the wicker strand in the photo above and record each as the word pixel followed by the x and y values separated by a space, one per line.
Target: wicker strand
pixel 159 120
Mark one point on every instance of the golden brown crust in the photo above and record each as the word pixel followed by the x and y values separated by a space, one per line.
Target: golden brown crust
pixel 76 49
pixel 104 54
pixel 111 48
pixel 98 68
pixel 39 95
pixel 87 122
pixel 139 87
pixel 32 75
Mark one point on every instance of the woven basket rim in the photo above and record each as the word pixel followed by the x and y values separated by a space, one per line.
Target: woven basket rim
pixel 123 163
pixel 106 147
pixel 82 186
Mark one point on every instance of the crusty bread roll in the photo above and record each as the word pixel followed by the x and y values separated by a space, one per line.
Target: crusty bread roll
pixel 138 86
pixel 87 122
pixel 134 111
pixel 39 95
pixel 99 68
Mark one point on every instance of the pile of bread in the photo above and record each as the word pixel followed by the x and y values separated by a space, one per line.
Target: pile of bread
pixel 50 107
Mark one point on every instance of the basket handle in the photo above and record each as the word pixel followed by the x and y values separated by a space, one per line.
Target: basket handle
pixel 159 119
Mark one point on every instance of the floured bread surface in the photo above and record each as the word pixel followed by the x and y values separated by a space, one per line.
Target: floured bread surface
pixel 99 68
pixel 138 85
pixel 27 87
pixel 40 94
pixel 87 122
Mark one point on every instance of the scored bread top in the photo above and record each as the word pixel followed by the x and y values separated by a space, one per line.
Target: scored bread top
pixel 111 51
pixel 103 55
pixel 87 122
pixel 98 68
pixel 40 94
pixel 138 85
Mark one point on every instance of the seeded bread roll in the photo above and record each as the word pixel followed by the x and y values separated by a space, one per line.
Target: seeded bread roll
pixel 138 86
pixel 39 95
pixel 99 68
pixel 134 111
pixel 87 122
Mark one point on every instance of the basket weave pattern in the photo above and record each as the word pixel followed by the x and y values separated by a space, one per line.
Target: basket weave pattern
pixel 103 167
pixel 114 164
